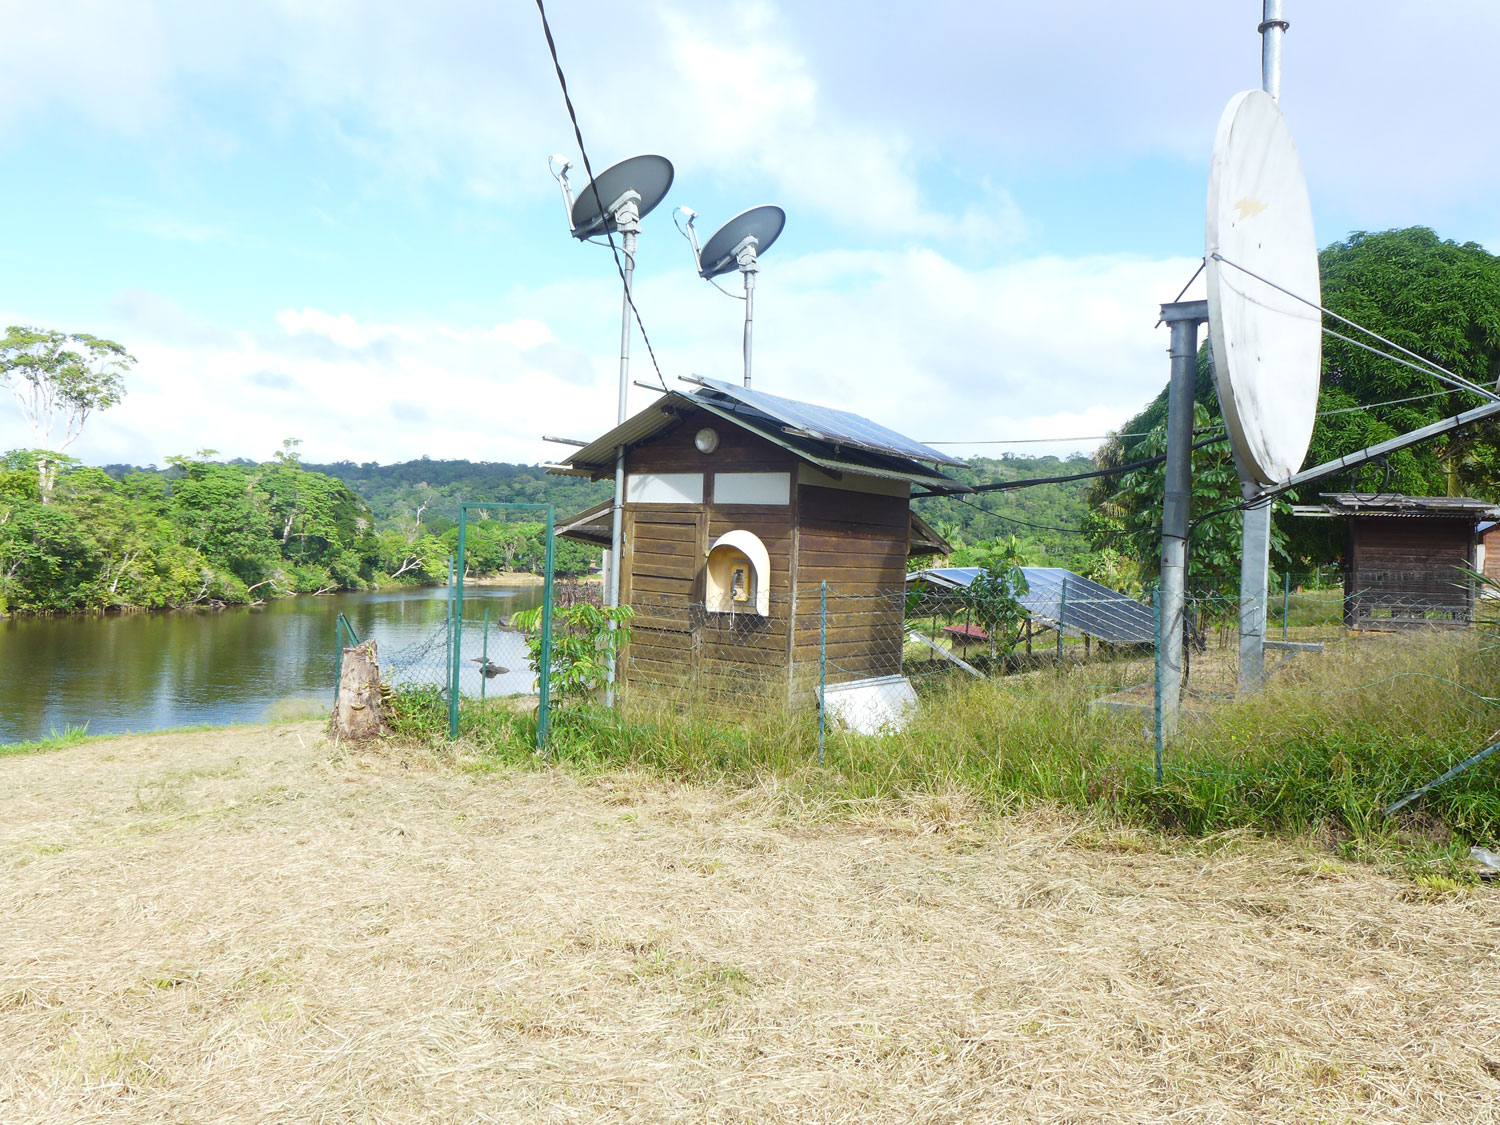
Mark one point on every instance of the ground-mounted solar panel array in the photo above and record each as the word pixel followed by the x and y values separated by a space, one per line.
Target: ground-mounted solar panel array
pixel 1059 597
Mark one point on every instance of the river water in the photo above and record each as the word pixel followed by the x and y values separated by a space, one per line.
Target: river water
pixel 149 671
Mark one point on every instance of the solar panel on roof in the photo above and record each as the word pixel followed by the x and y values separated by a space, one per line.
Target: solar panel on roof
pixel 828 424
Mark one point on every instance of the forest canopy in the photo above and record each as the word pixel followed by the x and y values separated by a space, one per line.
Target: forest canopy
pixel 1437 298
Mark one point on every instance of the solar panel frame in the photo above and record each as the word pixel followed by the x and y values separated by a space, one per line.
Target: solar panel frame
pixel 1088 608
pixel 827 424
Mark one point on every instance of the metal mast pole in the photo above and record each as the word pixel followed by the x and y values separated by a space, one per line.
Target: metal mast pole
pixel 749 318
pixel 748 263
pixel 1255 526
pixel 1184 317
pixel 628 223
pixel 1272 31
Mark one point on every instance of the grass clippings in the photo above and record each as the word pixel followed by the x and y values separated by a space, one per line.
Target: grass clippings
pixel 253 925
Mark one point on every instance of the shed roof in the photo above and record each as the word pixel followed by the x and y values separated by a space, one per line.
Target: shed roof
pixel 839 446
pixel 1063 599
pixel 1353 504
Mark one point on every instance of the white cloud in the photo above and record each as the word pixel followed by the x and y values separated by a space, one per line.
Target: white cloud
pixel 343 329
pixel 465 91
pixel 524 333
pixel 1047 347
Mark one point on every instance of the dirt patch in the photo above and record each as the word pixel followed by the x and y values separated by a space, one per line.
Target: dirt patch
pixel 247 925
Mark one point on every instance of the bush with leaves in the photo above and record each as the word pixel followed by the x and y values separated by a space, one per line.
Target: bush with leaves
pixel 584 645
pixel 995 596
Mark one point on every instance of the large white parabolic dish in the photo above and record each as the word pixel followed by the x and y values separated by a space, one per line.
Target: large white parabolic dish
pixel 1267 346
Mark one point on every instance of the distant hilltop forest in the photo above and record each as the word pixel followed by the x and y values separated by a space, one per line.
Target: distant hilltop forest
pixel 1048 515
pixel 205 532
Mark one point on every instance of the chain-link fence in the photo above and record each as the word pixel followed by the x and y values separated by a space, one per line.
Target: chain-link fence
pixel 1064 675
pixel 865 661
pixel 885 663
pixel 487 644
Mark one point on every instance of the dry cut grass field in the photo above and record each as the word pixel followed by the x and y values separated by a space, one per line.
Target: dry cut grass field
pixel 249 925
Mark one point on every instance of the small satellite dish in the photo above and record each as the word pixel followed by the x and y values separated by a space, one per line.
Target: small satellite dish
pixel 615 201
pixel 721 253
pixel 737 245
pixel 1267 346
pixel 648 177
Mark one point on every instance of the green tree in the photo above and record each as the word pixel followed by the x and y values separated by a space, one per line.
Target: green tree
pixel 214 508
pixel 995 596
pixel 324 531
pixel 1438 298
pixel 1127 510
pixel 47 560
pixel 59 379
pixel 424 559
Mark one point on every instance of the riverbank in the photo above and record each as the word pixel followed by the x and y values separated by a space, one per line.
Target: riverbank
pixel 251 924
pixel 148 671
pixel 505 579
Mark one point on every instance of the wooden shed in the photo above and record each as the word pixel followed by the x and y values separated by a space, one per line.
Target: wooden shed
pixel 1405 557
pixel 738 505
pixel 1487 555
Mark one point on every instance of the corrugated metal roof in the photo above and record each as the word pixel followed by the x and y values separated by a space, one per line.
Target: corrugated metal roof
pixel 659 416
pixel 1393 504
pixel 592 525
pixel 1081 606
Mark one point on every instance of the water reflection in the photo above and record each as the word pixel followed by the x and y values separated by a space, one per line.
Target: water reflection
pixel 148 671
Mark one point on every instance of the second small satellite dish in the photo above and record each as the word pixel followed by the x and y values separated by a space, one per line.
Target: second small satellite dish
pixel 720 253
pixel 1267 346
pixel 650 177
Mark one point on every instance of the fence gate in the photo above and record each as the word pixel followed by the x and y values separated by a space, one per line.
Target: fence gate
pixel 487 656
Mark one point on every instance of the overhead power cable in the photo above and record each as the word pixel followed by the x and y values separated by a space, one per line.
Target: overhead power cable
pixel 1101 533
pixel 594 187
pixel 1202 430
pixel 1033 482
pixel 1054 440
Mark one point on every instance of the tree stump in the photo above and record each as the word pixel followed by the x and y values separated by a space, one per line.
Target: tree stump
pixel 357 714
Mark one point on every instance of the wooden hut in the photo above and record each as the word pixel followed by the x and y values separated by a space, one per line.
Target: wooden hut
pixel 1487 556
pixel 1405 557
pixel 738 505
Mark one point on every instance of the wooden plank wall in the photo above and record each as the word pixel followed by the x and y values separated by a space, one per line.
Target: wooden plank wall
pixel 740 644
pixel 674 639
pixel 857 542
pixel 1395 568
pixel 663 545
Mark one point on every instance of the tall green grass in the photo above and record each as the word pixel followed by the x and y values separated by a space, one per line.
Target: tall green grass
pixel 1325 749
pixel 57 740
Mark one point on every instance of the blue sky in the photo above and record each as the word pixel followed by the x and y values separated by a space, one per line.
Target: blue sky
pixel 333 221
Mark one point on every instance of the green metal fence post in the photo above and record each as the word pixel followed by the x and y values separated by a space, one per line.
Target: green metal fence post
pixel 1062 611
pixel 1156 676
pixel 544 662
pixel 822 666
pixel 343 631
pixel 448 629
pixel 484 656
pixel 458 626
pixel 1286 600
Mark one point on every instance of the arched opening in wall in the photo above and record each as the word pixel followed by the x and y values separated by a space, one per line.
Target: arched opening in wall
pixel 739 575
